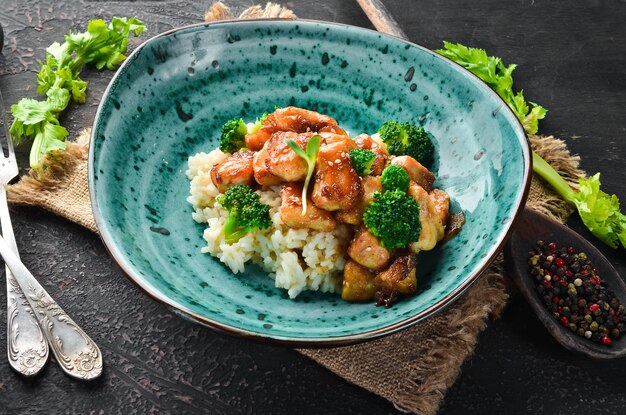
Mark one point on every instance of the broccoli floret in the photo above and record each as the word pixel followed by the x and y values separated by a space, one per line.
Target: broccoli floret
pixel 395 178
pixel 233 136
pixel 394 218
pixel 362 161
pixel 408 139
pixel 245 212
pixel 259 123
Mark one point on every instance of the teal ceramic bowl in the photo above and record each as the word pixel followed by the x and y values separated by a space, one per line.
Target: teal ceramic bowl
pixel 169 100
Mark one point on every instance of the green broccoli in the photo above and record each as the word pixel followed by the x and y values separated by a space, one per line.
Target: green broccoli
pixel 395 178
pixel 394 217
pixel 245 212
pixel 362 161
pixel 259 123
pixel 408 139
pixel 233 136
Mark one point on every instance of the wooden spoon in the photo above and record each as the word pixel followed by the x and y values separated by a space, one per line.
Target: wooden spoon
pixel 534 226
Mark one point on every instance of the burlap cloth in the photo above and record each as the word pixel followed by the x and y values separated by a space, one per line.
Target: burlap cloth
pixel 412 368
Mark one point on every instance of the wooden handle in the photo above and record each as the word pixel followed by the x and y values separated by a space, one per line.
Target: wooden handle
pixel 380 18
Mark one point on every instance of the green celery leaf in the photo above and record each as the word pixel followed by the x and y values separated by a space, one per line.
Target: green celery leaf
pixel 531 121
pixel 78 90
pixel 600 212
pixel 499 77
pixel 30 111
pixel 58 98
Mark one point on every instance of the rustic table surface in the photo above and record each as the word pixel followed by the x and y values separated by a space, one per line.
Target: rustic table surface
pixel 572 60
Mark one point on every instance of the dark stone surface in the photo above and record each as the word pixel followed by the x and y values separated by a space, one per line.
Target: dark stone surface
pixel 571 59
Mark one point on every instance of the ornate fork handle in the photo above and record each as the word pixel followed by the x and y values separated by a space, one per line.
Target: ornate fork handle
pixel 27 349
pixel 77 354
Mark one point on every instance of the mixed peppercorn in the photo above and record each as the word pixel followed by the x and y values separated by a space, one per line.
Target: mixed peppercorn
pixel 573 291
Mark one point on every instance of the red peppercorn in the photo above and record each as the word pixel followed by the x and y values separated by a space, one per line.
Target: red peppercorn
pixel 570 251
pixel 552 247
pixel 584 272
pixel 606 340
pixel 594 307
pixel 555 299
pixel 568 273
pixel 559 262
pixel 564 321
pixel 555 278
pixel 547 284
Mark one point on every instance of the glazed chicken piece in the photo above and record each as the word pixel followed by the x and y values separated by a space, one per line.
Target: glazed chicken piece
pixel 236 169
pixel 291 211
pixel 281 160
pixel 368 143
pixel 354 216
pixel 442 204
pixel 292 119
pixel 366 250
pixel 399 278
pixel 418 173
pixel 358 282
pixel 431 212
pixel 261 169
pixel 337 186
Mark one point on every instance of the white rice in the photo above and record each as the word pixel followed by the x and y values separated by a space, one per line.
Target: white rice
pixel 297 259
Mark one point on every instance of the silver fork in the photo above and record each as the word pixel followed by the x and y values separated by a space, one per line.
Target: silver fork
pixel 76 353
pixel 27 349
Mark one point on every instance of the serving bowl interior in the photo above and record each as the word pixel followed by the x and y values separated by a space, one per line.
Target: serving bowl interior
pixel 169 100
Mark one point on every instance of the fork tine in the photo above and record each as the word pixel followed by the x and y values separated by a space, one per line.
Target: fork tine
pixel 7 135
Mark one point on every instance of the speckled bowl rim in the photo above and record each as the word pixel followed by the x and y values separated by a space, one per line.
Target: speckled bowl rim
pixel 312 342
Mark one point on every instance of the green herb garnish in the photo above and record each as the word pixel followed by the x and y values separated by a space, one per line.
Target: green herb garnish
pixel 101 45
pixel 310 156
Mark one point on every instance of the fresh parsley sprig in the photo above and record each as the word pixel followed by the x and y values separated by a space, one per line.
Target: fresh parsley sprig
pixel 101 45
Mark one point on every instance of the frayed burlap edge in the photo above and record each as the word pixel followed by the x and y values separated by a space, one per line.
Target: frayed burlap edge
pixel 555 152
pixel 219 11
pixel 60 183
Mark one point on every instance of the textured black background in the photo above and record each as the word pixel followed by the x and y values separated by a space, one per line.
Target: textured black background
pixel 572 60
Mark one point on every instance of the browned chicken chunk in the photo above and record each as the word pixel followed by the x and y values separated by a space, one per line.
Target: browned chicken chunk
pixel 399 278
pixel 366 249
pixel 432 225
pixel 236 169
pixel 261 170
pixel 337 186
pixel 368 143
pixel 358 282
pixel 418 173
pixel 282 161
pixel 442 204
pixel 354 216
pixel 292 119
pixel 291 211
